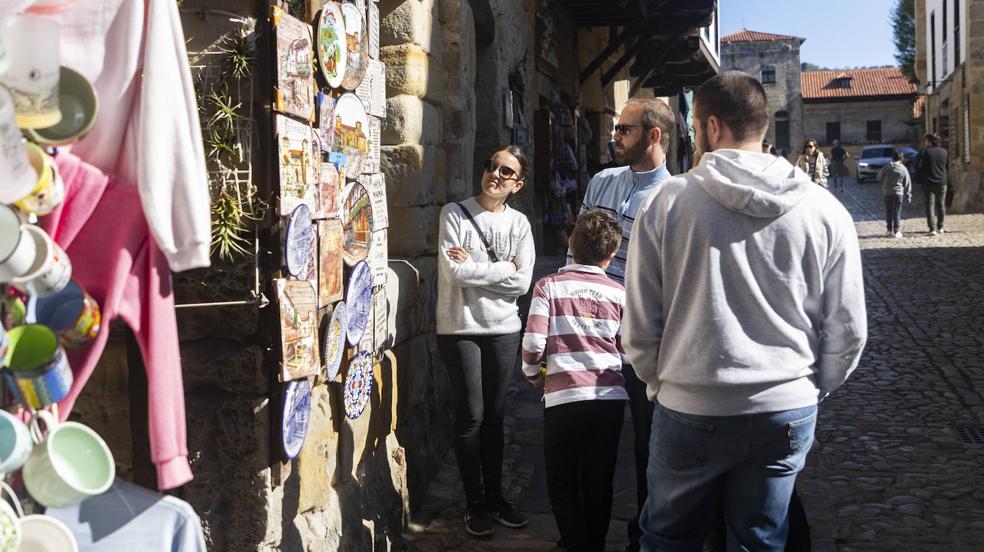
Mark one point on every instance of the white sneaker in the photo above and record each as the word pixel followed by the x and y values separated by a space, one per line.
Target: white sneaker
pixel 897 234
pixel 933 232
pixel 942 231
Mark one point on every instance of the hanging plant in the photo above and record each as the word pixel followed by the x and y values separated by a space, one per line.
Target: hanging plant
pixel 239 53
pixel 221 144
pixel 229 224
pixel 224 112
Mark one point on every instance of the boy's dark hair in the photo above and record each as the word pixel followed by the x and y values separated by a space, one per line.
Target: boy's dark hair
pixel 738 100
pixel 933 139
pixel 897 155
pixel 595 237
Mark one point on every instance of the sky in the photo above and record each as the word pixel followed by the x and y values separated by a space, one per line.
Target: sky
pixel 838 33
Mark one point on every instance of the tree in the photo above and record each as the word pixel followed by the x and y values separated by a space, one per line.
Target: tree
pixel 903 19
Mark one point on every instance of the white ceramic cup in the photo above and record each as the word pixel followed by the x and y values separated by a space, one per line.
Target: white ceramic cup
pixel 51 270
pixel 40 533
pixel 68 465
pixel 17 248
pixel 32 45
pixel 15 443
pixel 19 176
pixel 10 514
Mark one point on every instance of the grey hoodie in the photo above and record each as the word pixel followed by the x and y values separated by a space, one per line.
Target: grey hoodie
pixel 743 288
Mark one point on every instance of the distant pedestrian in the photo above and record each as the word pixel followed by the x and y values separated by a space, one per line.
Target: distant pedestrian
pixel 812 162
pixel 838 166
pixel 574 326
pixel 896 187
pixel 931 175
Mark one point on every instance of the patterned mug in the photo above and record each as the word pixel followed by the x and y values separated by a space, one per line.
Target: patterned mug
pixel 72 313
pixel 36 369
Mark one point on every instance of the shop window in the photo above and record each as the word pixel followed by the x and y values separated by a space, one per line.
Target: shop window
pixel 768 74
pixel 874 131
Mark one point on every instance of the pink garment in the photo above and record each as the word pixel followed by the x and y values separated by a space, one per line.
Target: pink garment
pixel 102 228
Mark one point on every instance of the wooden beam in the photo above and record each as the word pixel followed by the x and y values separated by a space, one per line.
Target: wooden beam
pixel 612 47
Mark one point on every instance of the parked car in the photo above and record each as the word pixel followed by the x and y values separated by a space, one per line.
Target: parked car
pixel 873 158
pixel 911 156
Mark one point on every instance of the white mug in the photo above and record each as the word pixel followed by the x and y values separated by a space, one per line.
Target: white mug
pixel 10 516
pixel 15 443
pixel 32 45
pixel 51 270
pixel 40 533
pixel 17 247
pixel 19 176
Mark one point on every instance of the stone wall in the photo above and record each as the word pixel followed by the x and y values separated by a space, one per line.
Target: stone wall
pixel 895 116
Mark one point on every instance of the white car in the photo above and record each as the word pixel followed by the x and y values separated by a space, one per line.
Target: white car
pixel 872 159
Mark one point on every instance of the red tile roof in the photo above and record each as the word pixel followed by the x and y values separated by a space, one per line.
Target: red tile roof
pixel 745 35
pixel 882 81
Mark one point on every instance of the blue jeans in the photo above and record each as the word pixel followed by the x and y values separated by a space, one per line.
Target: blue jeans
pixel 749 462
pixel 893 213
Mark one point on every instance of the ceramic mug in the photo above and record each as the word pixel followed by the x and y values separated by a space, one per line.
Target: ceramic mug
pixel 10 515
pixel 51 270
pixel 33 48
pixel 15 443
pixel 40 533
pixel 37 370
pixel 17 248
pixel 48 191
pixel 69 465
pixel 19 177
pixel 72 313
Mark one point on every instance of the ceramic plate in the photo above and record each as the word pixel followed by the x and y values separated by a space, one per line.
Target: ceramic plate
pixel 78 103
pixel 357 44
pixel 299 241
pixel 358 385
pixel 357 223
pixel 351 133
pixel 358 302
pixel 297 411
pixel 335 340
pixel 330 44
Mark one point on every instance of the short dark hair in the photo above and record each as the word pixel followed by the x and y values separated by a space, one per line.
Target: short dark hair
pixel 524 162
pixel 595 237
pixel 897 155
pixel 933 139
pixel 656 114
pixel 738 100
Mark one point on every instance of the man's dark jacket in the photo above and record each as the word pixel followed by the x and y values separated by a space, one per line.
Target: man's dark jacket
pixel 931 168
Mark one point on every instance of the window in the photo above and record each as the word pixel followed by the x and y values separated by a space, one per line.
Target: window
pixel 956 32
pixel 782 130
pixel 874 133
pixel 943 123
pixel 966 129
pixel 932 49
pixel 946 65
pixel 768 74
pixel 833 132
pixel 843 82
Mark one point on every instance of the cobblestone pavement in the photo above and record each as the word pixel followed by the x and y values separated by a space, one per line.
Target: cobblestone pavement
pixel 888 471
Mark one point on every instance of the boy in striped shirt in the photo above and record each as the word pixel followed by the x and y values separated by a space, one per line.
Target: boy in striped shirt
pixel 574 326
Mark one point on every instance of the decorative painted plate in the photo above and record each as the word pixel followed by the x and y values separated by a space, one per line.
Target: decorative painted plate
pixel 358 385
pixel 300 239
pixel 330 44
pixel 351 133
pixel 335 340
pixel 357 224
pixel 356 44
pixel 358 302
pixel 297 412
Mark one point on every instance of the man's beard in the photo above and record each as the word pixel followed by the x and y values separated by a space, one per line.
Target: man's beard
pixel 632 156
pixel 703 145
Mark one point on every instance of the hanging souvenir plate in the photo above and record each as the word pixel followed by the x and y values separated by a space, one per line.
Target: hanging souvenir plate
pixel 358 385
pixel 351 133
pixel 357 223
pixel 298 328
pixel 356 44
pixel 297 175
pixel 335 340
pixel 358 302
pixel 330 258
pixel 330 41
pixel 295 66
pixel 297 412
pixel 300 239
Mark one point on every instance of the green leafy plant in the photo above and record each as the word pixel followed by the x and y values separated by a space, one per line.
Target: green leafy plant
pixel 224 112
pixel 229 224
pixel 221 144
pixel 239 53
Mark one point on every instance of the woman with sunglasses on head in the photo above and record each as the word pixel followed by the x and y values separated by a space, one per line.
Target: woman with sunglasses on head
pixel 812 162
pixel 485 263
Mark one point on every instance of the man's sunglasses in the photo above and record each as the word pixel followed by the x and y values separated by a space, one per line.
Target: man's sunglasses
pixel 624 130
pixel 505 171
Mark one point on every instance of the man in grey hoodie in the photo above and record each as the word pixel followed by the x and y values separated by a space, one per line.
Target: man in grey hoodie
pixel 745 308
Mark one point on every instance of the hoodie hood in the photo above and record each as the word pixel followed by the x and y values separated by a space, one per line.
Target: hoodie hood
pixel 754 184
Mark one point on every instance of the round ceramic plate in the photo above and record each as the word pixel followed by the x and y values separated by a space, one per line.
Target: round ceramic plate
pixel 357 45
pixel 358 385
pixel 297 411
pixel 357 224
pixel 299 240
pixel 358 302
pixel 335 340
pixel 78 103
pixel 351 133
pixel 329 43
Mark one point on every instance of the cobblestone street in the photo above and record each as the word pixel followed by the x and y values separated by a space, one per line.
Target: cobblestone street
pixel 889 470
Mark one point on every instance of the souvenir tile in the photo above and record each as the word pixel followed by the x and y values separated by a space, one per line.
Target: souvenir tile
pixel 366 344
pixel 380 317
pixel 373 30
pixel 329 188
pixel 358 385
pixel 326 120
pixel 330 40
pixel 297 184
pixel 358 302
pixel 300 244
pixel 295 86
pixel 376 186
pixel 297 412
pixel 357 223
pixel 372 165
pixel 379 257
pixel 298 328
pixel 377 105
pixel 356 45
pixel 334 340
pixel 351 133
pixel 330 288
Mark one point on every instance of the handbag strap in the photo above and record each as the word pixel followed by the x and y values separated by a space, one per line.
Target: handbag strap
pixel 481 235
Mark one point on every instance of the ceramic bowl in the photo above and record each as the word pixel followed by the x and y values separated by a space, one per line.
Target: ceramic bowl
pixel 79 106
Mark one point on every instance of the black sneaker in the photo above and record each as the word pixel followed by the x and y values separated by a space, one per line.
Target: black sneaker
pixel 501 511
pixel 477 521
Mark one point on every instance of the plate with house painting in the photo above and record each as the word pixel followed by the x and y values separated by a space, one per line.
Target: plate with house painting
pixel 295 160
pixel 295 86
pixel 330 40
pixel 358 302
pixel 351 133
pixel 358 385
pixel 300 239
pixel 356 46
pixel 334 340
pixel 357 223
pixel 297 413
pixel 330 287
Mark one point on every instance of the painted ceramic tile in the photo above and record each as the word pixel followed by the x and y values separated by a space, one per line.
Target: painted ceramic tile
pixel 367 343
pixel 351 133
pixel 334 340
pixel 330 40
pixel 329 188
pixel 330 286
pixel 357 222
pixel 377 106
pixel 358 302
pixel 356 45
pixel 295 66
pixel 297 184
pixel 358 385
pixel 379 257
pixel 298 328
pixel 326 120
pixel 296 414
pixel 372 165
pixel 373 30
pixel 376 186
pixel 380 316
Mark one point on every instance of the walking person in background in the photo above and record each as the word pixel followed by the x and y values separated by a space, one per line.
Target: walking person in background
pixel 574 326
pixel 739 329
pixel 812 162
pixel 931 174
pixel 896 186
pixel 485 262
pixel 838 166
pixel 642 137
